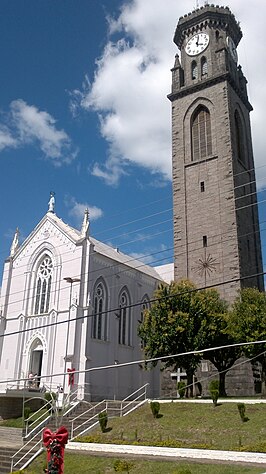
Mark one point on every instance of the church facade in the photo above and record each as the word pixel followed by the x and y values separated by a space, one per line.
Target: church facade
pixel 72 303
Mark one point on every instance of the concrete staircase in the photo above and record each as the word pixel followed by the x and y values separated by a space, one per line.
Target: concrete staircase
pixel 10 442
pixel 78 420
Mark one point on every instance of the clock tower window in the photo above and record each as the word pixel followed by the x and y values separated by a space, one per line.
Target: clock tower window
pixel 204 67
pixel 201 134
pixel 194 70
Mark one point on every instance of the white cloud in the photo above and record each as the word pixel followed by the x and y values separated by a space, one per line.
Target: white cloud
pixel 76 209
pixel 132 80
pixel 6 139
pixel 26 124
pixel 129 90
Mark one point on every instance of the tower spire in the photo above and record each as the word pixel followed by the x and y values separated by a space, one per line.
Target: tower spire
pixel 15 243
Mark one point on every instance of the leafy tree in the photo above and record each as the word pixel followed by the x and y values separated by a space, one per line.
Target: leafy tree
pixel 218 331
pixel 248 324
pixel 177 323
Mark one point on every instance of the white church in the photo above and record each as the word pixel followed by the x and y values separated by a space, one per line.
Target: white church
pixel 72 303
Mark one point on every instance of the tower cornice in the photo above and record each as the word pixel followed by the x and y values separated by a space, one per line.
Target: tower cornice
pixel 208 83
pixel 209 15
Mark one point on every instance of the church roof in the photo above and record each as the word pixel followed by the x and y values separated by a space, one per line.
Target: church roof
pixel 123 258
pixel 101 248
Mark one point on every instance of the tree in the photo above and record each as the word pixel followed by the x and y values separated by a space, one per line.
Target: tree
pixel 178 322
pixel 248 324
pixel 218 334
pixel 222 359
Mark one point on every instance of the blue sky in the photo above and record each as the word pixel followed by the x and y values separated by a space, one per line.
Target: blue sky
pixel 84 113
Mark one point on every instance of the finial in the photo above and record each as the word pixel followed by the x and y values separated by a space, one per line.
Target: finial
pixel 85 224
pixel 15 243
pixel 177 62
pixel 51 203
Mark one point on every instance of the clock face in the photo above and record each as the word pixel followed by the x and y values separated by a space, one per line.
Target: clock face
pixel 197 44
pixel 232 48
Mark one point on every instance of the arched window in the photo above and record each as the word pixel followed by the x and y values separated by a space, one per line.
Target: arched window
pixel 145 304
pixel 124 330
pixel 99 321
pixel 201 134
pixel 43 285
pixel 194 70
pixel 204 67
pixel 240 144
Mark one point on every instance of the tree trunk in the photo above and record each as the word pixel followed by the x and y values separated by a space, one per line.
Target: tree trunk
pixel 263 378
pixel 189 390
pixel 222 391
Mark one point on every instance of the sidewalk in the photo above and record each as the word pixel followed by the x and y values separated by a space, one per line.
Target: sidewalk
pixel 170 453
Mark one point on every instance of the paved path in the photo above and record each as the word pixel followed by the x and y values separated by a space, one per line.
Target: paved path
pixel 170 453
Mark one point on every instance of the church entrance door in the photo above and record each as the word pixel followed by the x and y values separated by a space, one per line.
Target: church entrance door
pixel 36 365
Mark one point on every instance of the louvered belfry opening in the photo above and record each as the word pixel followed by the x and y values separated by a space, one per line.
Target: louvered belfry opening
pixel 201 134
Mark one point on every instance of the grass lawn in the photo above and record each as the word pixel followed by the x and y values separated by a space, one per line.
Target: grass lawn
pixel 18 422
pixel 179 424
pixel 190 425
pixel 83 464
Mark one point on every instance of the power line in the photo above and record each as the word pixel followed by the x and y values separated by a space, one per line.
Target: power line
pixel 132 305
pixel 170 209
pixel 117 264
pixel 143 361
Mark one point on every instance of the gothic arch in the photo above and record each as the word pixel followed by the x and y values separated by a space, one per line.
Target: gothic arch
pixel 192 110
pixel 125 323
pixel 35 260
pixel 204 67
pixel 45 247
pixel 34 341
pixel 194 70
pixel 201 134
pixel 99 327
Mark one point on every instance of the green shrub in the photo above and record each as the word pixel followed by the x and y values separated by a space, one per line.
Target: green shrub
pixel 181 388
pixel 121 465
pixel 103 419
pixel 242 412
pixel 214 391
pixel 26 413
pixel 155 408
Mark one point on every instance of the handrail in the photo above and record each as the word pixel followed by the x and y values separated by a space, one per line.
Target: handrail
pixel 145 385
pixel 89 409
pixel 22 448
pixel 84 422
pixel 108 406
pixel 42 416
pixel 105 406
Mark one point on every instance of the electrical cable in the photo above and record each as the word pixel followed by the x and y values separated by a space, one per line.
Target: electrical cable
pixel 143 361
pixel 134 268
pixel 132 305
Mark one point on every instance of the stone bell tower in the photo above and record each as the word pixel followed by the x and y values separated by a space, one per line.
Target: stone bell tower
pixel 216 227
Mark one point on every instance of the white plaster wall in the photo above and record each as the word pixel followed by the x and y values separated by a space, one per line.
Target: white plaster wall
pixel 120 381
pixel 18 303
pixel 75 259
